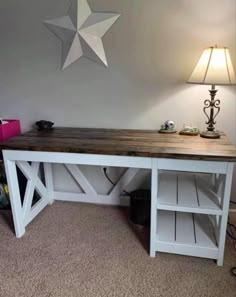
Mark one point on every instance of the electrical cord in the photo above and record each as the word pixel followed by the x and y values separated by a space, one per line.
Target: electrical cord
pixel 233 271
pixel 231 232
pixel 109 179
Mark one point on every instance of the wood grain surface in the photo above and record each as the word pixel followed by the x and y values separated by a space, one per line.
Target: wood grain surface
pixel 143 143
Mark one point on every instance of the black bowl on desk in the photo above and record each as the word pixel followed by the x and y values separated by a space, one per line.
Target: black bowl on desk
pixel 44 125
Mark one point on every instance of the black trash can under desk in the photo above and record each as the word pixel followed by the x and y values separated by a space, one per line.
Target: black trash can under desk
pixel 140 206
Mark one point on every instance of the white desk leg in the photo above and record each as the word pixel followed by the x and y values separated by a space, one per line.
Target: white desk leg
pixel 49 181
pixel 15 198
pixel 153 225
pixel 224 218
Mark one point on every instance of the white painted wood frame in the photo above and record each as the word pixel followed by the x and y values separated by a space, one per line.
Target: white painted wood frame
pixel 23 214
pixel 188 213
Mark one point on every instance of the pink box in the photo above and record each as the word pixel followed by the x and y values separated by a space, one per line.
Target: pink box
pixel 12 128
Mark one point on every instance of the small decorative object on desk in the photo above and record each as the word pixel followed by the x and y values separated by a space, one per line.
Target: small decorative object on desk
pixel 189 130
pixel 44 125
pixel 168 127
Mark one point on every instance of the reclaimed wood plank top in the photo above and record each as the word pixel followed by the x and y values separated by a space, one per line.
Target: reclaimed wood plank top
pixel 142 143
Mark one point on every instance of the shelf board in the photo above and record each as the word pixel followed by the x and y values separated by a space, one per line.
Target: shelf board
pixel 187 192
pixel 186 234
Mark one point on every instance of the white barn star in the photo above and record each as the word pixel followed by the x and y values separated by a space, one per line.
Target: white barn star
pixel 81 32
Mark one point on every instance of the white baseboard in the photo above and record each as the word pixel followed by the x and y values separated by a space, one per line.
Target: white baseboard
pixel 124 201
pixel 232 211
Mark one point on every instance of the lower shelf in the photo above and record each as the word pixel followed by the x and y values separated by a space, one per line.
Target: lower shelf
pixel 186 234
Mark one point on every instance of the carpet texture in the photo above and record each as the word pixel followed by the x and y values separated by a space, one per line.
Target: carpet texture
pixel 74 249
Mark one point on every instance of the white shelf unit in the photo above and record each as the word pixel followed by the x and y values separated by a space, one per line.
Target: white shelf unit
pixel 189 207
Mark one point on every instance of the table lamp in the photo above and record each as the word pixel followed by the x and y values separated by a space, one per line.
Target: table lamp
pixel 213 68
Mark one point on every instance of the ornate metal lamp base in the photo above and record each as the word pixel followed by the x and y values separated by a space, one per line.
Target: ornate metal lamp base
pixel 210 134
pixel 213 104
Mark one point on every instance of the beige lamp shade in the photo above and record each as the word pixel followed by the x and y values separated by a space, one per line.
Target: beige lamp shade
pixel 214 68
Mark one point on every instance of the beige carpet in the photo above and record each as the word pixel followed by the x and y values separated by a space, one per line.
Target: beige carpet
pixel 74 249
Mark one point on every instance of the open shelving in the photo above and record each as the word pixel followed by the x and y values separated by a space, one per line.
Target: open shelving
pixel 189 208
pixel 186 233
pixel 187 192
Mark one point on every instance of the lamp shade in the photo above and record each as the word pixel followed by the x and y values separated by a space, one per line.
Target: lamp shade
pixel 214 68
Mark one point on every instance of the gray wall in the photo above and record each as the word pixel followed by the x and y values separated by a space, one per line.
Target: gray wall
pixel 151 51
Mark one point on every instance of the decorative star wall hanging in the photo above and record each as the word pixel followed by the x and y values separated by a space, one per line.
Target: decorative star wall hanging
pixel 81 32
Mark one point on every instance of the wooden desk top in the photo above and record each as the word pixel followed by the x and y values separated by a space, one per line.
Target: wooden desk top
pixel 142 143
